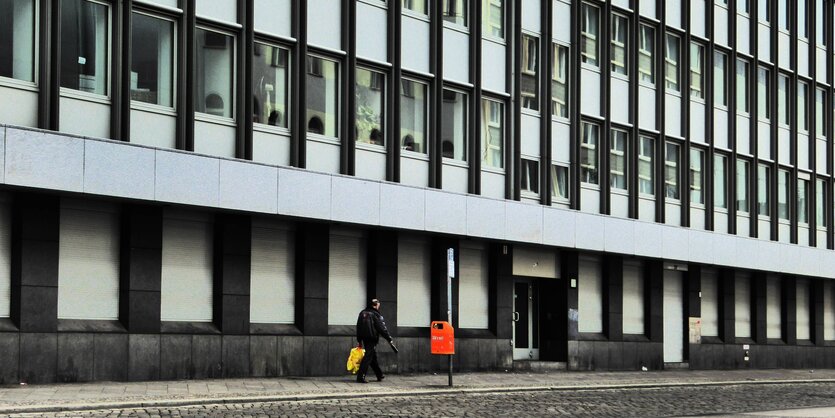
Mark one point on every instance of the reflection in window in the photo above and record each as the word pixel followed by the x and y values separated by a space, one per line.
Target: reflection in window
pixel 672 156
pixel 454 122
pixel 270 85
pixel 559 182
pixel 415 5
pixel 763 190
pixel 17 39
pixel 783 100
pixel 803 201
pixel 152 55
pixel 371 89
pixel 322 99
pixel 820 203
pixel 617 159
pixel 589 34
pixel 763 90
pixel 720 97
pixel 742 186
pixel 413 116
pixel 741 86
pixel 588 153
pixel 455 11
pixel 783 192
pixel 646 170
pixel 802 97
pixel 620 30
pixel 720 179
pixel 646 51
pixel 492 18
pixel 529 79
pixel 84 46
pixel 530 176
pixel 671 59
pixel 697 66
pixel 492 133
pixel 559 81
pixel 214 90
pixel 697 176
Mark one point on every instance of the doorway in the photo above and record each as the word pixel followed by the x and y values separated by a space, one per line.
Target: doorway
pixel 525 320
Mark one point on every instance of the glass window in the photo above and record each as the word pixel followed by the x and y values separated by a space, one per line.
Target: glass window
pixel 492 18
pixel 820 23
pixel 803 201
pixel 559 182
pixel 672 156
pixel 415 6
pixel 492 134
pixel 530 176
pixel 322 97
pixel 646 169
pixel 455 11
pixel 783 14
pixel 559 81
pixel 152 60
pixel 720 178
pixel 820 105
pixel 370 105
pixel 454 122
pixel 763 89
pixel 413 116
pixel 671 59
pixel 588 153
pixel 617 159
pixel 529 79
pixel 783 100
pixel 620 30
pixel 214 85
pixel 646 51
pixel 697 65
pixel 270 85
pixel 763 190
pixel 720 97
pixel 742 186
pixel 697 176
pixel 764 10
pixel 84 46
pixel 783 192
pixel 17 39
pixel 802 97
pixel 589 32
pixel 741 86
pixel 821 203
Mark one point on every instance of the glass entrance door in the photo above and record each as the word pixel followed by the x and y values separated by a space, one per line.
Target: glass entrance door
pixel 525 321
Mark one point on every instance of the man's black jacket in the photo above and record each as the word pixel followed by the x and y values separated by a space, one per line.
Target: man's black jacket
pixel 371 326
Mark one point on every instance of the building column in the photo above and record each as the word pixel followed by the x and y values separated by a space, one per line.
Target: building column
pixel 140 267
pixel 312 257
pixel 500 261
pixel 382 274
pixel 727 314
pixel 817 288
pixel 759 307
pixel 232 246
pixel 613 297
pixel 788 310
pixel 570 271
pixel 692 305
pixel 654 300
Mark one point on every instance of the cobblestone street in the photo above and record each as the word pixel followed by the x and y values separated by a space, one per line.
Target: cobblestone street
pixel 643 402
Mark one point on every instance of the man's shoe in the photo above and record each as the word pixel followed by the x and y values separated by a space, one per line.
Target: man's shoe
pixel 361 380
pixel 380 378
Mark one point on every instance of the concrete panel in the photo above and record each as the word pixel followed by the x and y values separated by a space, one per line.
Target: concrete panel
pixel 720 26
pixel 225 11
pixel 273 17
pixel 619 236
pixel 646 107
pixel 700 246
pixel 354 200
pixel 153 129
pixel 371 29
pixel 446 212
pixel 75 357
pixel 744 248
pixel 416 41
pixel 111 357
pixel 263 361
pixel 720 128
pixel 764 42
pixel 10 360
pixel 651 240
pixel 186 178
pixel 19 107
pixel 493 185
pixel 38 357
pixel 530 135
pixel 743 34
pixel 43 160
pixel 116 169
pixel 590 233
pixel 485 217
pixel 214 139
pixel 290 352
pixel 206 356
pixel 697 122
pixel 305 194
pixel 590 101
pixel 558 227
pixel 175 357
pixel 455 178
pixel 402 207
pixel 724 249
pixel 414 171
pixel 325 16
pixel 236 356
pixel 561 23
pixel 270 148
pixel 676 243
pixel 456 52
pixel 620 90
pixel 560 142
pixel 83 117
pixel 371 163
pixel 672 115
pixel 323 156
pixel 697 18
pixel 315 356
pixel 493 68
pixel 523 222
pixel 249 187
pixel 143 357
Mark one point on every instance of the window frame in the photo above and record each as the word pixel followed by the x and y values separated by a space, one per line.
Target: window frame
pixel 764 105
pixel 742 187
pixel 619 136
pixel 464 13
pixel 529 177
pixel 646 159
pixel 107 97
pixel 485 5
pixel 290 68
pixel 743 93
pixel 312 53
pixel 486 123
pixel 587 171
pixel 675 167
pixel 34 84
pixel 617 21
pixel 376 86
pixel 724 79
pixel 528 101
pixel 699 71
pixel 698 172
pixel 555 197
pixel 427 99
pixel 764 185
pixel 671 66
pixel 645 54
pixel 467 116
pixel 208 26
pixel 555 78
pixel 720 161
pixel 591 59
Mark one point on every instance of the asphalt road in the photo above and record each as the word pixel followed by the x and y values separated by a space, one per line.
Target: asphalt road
pixel 652 402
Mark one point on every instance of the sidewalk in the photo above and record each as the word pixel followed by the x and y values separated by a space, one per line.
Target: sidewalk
pixel 118 395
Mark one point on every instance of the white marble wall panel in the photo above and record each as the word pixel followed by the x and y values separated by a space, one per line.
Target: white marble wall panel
pixel 305 194
pixel 415 44
pixel 697 18
pixel 768 255
pixel 558 225
pixel 743 135
pixel 590 232
pixel 720 25
pixel 19 107
pixel 820 155
pixel 720 221
pixel 651 238
pixel 153 129
pixel 646 209
pixel 672 13
pixel 531 17
pixel 784 232
pixel 371 32
pixel 112 169
pixel 820 239
pixel 672 213
pixel 186 178
pixel 622 4
pixel 744 248
pixel 619 235
pixel 724 249
pixel 820 64
pixel 763 229
pixel 523 221
pixel 249 187
pixel 402 207
pixel 589 200
pixel 743 226
pixel 803 236
pixel 323 156
pixel 701 247
pixel 456 56
pixel 783 50
pixel 647 8
pixel 764 140
pixel 803 160
pixel 44 160
pixel 274 17
pixel 485 217
pixel 354 200
pixel 803 58
pixel 168 3
pixel 784 146
pixel 697 217
pixel 619 205
pixel 672 115
pixel 676 243
pixel 446 212
pixel 493 68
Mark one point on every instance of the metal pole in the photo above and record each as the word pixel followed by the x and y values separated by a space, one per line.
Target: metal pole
pixel 450 273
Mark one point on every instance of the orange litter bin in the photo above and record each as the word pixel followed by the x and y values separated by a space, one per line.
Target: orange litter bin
pixel 443 338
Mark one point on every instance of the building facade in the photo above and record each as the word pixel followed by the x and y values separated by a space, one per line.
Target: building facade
pixel 215 188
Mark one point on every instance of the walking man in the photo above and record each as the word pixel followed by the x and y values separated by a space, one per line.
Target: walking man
pixel 370 327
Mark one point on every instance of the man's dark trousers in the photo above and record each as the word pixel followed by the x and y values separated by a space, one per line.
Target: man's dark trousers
pixel 370 358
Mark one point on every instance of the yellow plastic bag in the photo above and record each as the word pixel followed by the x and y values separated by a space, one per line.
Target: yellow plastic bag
pixel 354 359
